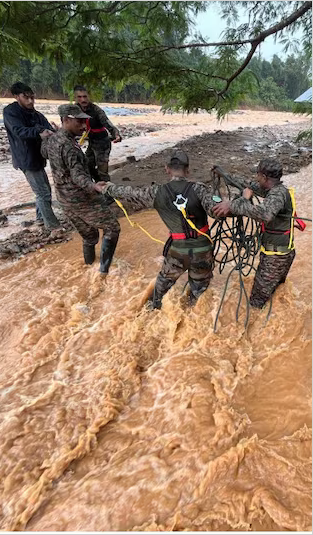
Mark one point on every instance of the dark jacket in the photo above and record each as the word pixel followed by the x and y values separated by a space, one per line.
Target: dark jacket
pixel 23 128
pixel 100 125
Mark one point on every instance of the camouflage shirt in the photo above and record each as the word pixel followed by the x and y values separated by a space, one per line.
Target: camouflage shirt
pixel 74 186
pixel 144 196
pixel 275 200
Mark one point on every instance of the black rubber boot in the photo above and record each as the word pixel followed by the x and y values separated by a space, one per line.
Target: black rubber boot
pixel 192 300
pixel 153 303
pixel 106 253
pixel 89 253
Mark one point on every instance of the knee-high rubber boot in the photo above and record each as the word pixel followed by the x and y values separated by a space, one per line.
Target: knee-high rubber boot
pixel 162 286
pixel 154 301
pixel 89 253
pixel 108 247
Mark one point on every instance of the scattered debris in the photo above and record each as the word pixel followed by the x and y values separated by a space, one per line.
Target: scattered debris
pixel 26 241
pixel 3 219
pixel 131 159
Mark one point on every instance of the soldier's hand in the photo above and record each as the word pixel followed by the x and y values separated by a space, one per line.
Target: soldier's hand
pixel 45 133
pixel 222 209
pixel 55 126
pixel 218 170
pixel 118 139
pixel 100 186
pixel 247 194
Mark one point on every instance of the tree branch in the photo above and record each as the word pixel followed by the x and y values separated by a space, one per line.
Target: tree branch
pixel 256 41
pixel 61 7
pixel 263 35
pixel 241 68
pixel 69 5
pixel 203 74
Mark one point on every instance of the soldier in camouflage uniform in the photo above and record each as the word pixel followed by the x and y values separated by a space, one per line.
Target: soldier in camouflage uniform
pixel 100 128
pixel 186 249
pixel 78 195
pixel 277 245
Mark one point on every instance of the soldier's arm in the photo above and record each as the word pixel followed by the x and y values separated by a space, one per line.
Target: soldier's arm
pixel 204 193
pixel 105 121
pixel 143 196
pixel 251 184
pixel 74 161
pixel 272 204
pixel 44 148
pixel 243 183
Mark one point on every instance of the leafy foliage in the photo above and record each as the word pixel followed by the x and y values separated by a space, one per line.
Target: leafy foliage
pixel 304 136
pixel 119 43
pixel 280 82
pixel 304 108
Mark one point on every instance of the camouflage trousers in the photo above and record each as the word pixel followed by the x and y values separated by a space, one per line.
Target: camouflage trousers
pixel 200 267
pixel 87 221
pixel 272 271
pixel 97 155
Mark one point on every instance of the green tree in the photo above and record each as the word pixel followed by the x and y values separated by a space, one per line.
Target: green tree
pixel 118 43
pixel 272 95
pixel 278 69
pixel 266 69
pixel 296 76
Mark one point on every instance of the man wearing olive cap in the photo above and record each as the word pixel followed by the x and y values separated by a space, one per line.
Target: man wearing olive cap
pixel 186 249
pixel 78 195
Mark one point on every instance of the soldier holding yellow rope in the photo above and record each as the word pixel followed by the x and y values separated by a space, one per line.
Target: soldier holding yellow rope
pixel 184 207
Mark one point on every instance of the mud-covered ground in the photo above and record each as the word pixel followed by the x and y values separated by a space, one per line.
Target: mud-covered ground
pixel 238 152
pixel 127 131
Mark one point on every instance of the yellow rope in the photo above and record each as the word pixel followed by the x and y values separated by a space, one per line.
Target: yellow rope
pixel 83 137
pixel 134 224
pixel 183 211
pixel 292 226
pixel 271 253
pixel 193 226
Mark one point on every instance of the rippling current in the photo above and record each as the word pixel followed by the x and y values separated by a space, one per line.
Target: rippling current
pixel 116 418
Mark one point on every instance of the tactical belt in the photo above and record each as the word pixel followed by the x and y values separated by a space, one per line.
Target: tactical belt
pixel 95 130
pixel 277 248
pixel 183 236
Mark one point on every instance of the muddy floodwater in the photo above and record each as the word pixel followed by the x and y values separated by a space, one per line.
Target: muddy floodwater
pixel 116 418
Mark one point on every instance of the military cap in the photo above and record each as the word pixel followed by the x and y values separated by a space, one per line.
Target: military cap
pixel 179 156
pixel 73 111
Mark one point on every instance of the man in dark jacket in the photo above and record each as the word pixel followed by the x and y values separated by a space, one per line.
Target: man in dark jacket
pixel 99 129
pixel 26 128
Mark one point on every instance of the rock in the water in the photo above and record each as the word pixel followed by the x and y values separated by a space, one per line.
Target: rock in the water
pixel 3 219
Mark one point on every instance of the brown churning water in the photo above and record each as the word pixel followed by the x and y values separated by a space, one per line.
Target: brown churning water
pixel 116 418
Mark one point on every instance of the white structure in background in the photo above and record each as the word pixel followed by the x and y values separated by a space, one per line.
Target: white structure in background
pixel 305 97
